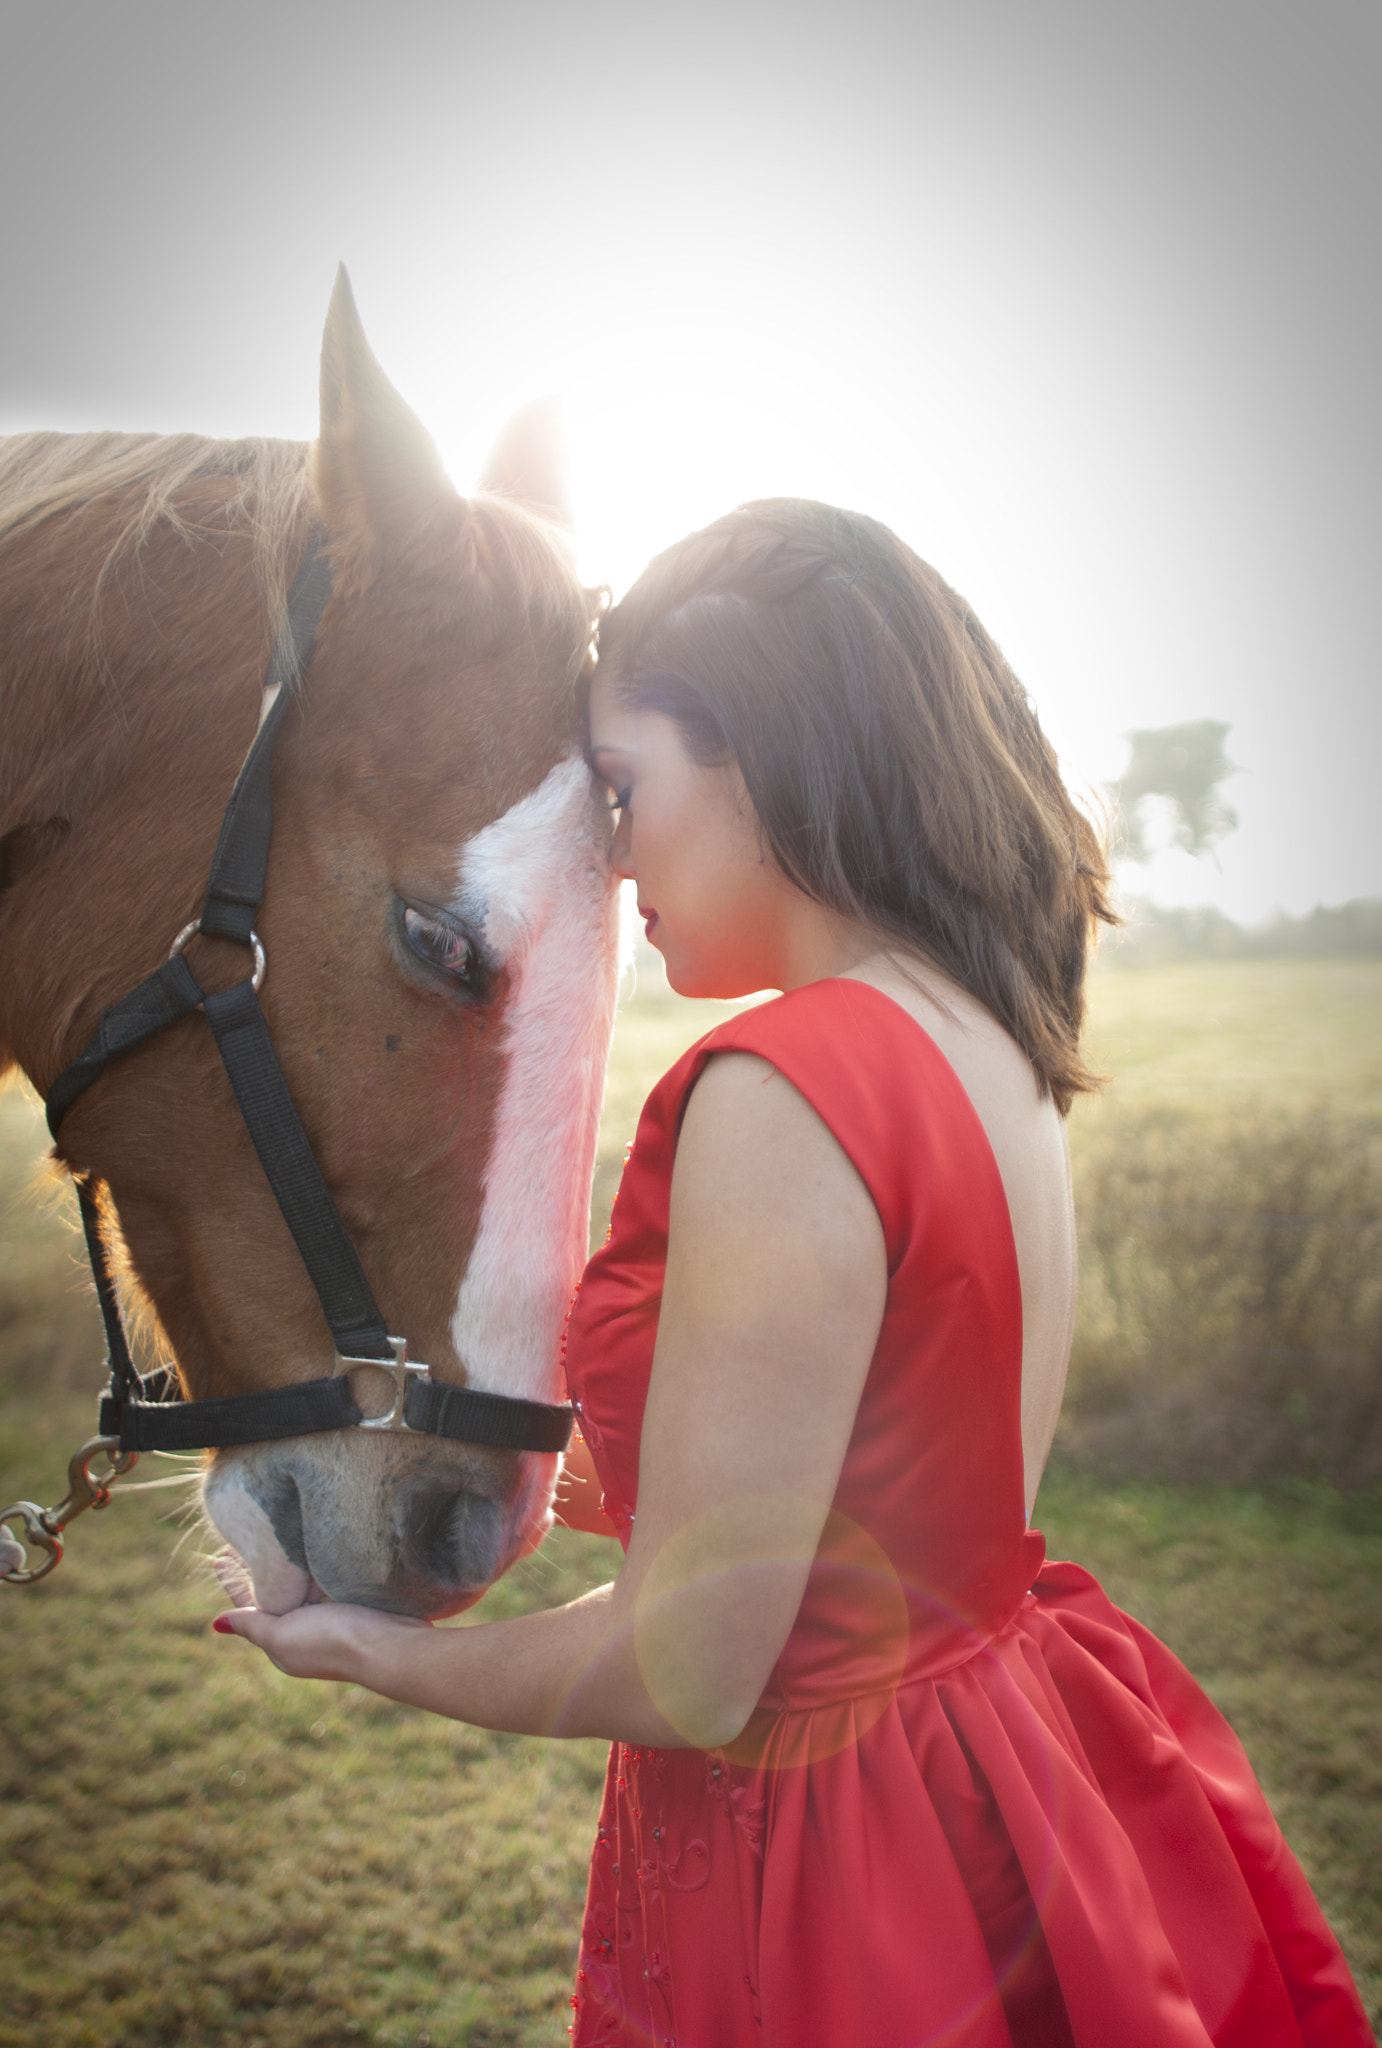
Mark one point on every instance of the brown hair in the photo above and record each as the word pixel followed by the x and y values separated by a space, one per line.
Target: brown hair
pixel 894 760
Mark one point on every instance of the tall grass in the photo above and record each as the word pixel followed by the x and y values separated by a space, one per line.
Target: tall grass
pixel 1230 1318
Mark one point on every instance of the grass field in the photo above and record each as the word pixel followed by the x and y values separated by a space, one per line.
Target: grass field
pixel 200 1852
pixel 1241 1033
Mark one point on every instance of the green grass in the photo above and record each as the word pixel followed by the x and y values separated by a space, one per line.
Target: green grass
pixel 1239 1033
pixel 199 1851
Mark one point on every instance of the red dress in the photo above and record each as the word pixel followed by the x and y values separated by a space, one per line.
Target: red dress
pixel 977 1805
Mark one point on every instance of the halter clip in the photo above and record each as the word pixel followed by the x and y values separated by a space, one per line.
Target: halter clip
pixel 399 1369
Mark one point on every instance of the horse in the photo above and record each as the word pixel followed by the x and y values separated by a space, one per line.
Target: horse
pixel 438 923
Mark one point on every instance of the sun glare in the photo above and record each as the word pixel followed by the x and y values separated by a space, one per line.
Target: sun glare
pixel 1058 488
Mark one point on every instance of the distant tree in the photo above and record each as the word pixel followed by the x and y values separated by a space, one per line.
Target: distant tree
pixel 1185 763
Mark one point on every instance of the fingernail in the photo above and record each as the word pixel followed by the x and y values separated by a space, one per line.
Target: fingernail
pixel 223 1625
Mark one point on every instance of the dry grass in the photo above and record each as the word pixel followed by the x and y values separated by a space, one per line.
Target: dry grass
pixel 1230 1319
pixel 199 1851
pixel 1241 1034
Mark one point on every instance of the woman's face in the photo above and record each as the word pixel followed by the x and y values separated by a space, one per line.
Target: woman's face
pixel 713 900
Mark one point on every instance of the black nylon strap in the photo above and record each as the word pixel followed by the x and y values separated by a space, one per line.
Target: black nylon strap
pixel 303 1410
pixel 285 1153
pixel 235 888
pixel 473 1417
pixel 307 1408
pixel 170 992
pixel 314 1406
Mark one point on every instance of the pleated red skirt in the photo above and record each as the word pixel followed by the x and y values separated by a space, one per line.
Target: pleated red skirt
pixel 977 1806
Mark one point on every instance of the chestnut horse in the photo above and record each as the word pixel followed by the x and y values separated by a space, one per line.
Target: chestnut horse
pixel 438 921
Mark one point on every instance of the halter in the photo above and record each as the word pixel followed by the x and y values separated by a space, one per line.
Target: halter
pixel 149 1414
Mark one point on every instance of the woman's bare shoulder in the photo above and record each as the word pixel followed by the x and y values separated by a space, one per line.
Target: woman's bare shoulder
pixel 993 1069
pixel 743 1109
pixel 755 1161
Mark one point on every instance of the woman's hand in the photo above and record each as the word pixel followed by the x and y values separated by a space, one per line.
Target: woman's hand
pixel 324 1640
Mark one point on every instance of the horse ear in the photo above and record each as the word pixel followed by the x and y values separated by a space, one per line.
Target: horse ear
pixel 378 473
pixel 528 462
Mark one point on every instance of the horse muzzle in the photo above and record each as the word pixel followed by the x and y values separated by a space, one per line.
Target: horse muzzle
pixel 413 1525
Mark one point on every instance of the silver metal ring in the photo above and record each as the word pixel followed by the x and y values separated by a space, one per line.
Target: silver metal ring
pixel 401 1370
pixel 260 962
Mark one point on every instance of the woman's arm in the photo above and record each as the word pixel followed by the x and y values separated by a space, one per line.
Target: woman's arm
pixel 775 1287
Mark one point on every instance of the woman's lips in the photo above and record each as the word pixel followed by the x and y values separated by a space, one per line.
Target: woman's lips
pixel 649 918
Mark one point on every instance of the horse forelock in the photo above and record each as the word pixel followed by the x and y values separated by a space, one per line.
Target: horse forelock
pixel 524 587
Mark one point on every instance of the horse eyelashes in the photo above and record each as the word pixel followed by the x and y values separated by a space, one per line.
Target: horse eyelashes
pixel 439 943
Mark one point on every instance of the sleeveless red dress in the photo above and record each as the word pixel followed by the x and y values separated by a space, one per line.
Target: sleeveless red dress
pixel 977 1805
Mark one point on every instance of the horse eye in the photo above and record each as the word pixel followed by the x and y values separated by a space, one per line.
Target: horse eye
pixel 439 943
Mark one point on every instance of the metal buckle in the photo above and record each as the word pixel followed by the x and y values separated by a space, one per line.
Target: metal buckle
pixel 398 1371
pixel 43 1527
pixel 260 963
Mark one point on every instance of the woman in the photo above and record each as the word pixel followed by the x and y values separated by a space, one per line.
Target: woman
pixel 880 1777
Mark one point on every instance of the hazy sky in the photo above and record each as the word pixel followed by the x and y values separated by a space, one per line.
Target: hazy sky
pixel 1082 298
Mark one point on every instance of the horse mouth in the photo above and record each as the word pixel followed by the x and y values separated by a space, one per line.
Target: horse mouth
pixel 234 1577
pixel 237 1581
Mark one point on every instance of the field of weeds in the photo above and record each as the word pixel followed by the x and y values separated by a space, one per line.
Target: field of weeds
pixel 198 1851
pixel 1229 1191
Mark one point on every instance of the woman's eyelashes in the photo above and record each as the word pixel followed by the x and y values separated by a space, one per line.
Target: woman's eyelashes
pixel 619 802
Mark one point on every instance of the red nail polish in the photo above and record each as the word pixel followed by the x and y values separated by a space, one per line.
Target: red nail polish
pixel 223 1625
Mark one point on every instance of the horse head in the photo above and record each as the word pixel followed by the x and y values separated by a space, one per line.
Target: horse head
pixel 438 924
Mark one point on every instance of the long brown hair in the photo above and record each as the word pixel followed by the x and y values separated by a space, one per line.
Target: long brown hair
pixel 894 760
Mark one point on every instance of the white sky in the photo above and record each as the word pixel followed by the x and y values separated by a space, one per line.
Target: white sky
pixel 1082 298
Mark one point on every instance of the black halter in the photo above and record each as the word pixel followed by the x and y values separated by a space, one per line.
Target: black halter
pixel 148 1414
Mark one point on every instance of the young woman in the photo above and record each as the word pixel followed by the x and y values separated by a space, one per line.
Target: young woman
pixel 880 1776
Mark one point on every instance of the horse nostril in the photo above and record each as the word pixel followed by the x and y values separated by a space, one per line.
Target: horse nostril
pixel 453 1537
pixel 282 1503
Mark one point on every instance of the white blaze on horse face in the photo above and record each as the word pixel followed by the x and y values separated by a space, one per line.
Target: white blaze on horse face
pixel 536 885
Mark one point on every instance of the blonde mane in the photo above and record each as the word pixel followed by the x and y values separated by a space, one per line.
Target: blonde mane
pixel 44 475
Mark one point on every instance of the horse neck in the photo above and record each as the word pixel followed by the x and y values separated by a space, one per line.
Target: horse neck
pixel 130 690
